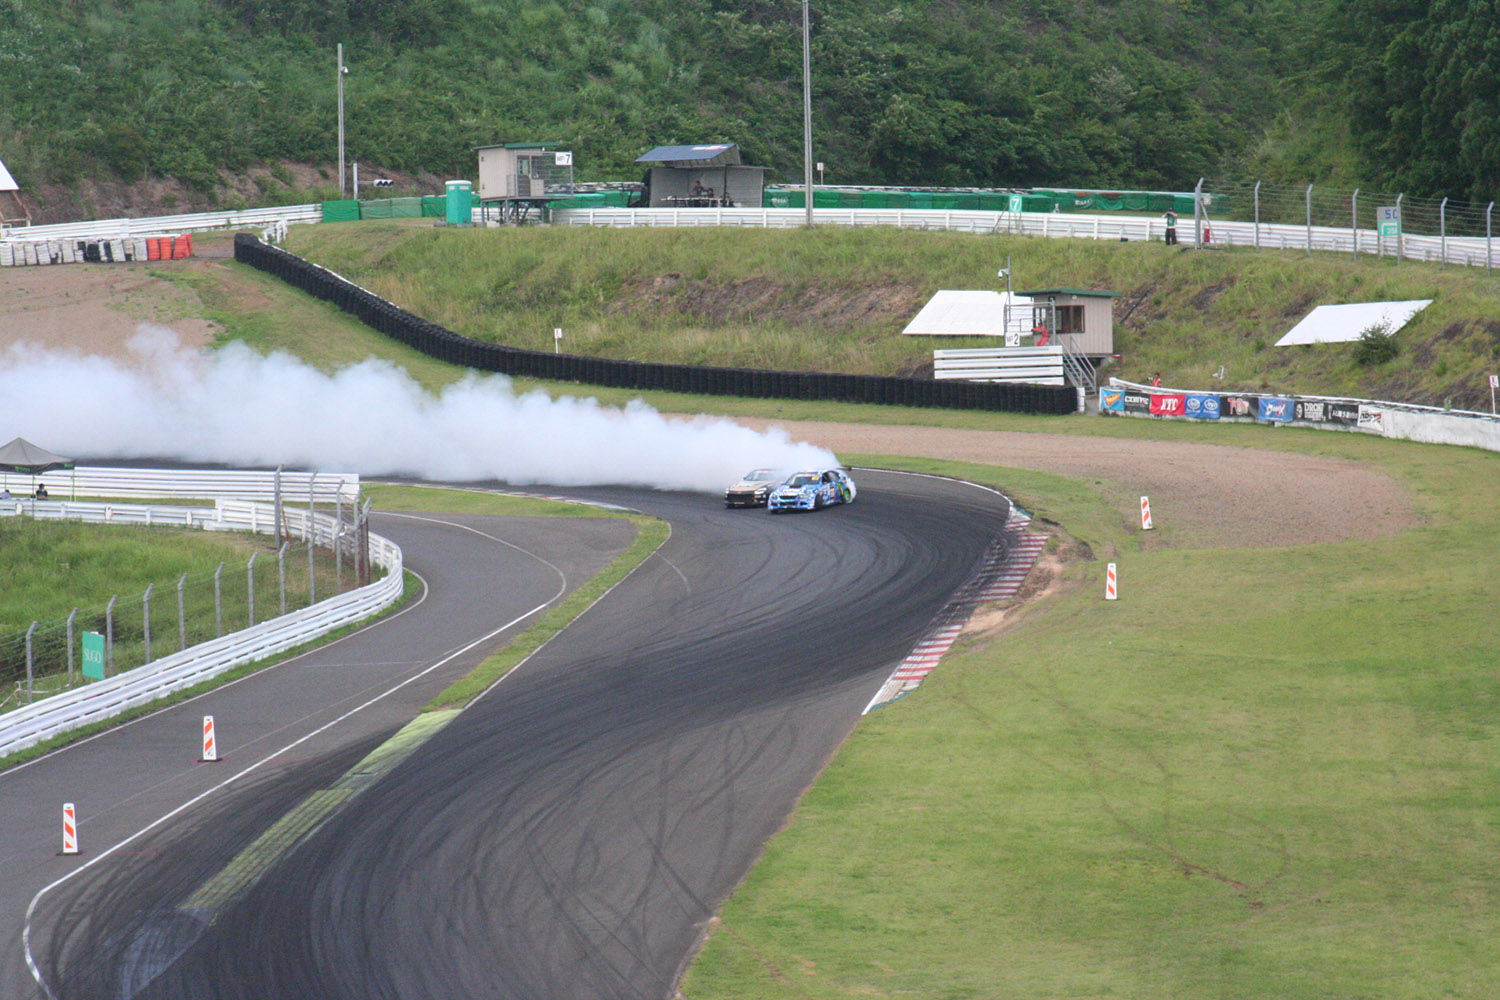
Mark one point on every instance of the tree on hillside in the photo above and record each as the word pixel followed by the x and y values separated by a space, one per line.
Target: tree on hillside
pixel 1423 88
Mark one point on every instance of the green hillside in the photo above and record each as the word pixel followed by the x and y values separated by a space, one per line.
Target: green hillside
pixel 837 300
pixel 1142 93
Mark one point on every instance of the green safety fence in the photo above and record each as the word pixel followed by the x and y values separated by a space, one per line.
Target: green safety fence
pixel 1036 200
pixel 594 199
pixel 384 208
pixel 340 211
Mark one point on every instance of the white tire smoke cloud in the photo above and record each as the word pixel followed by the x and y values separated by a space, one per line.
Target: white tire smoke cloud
pixel 235 406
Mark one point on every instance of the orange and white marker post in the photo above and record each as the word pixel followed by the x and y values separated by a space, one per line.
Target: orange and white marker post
pixel 1111 591
pixel 210 746
pixel 70 829
pixel 1145 514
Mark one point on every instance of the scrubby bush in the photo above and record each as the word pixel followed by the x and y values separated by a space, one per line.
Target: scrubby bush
pixel 1376 345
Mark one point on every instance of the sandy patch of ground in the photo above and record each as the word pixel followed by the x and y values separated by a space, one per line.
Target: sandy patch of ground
pixel 1210 495
pixel 88 309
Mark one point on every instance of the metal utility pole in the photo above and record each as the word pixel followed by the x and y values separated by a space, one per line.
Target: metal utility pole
pixel 807 161
pixel 1198 215
pixel 342 71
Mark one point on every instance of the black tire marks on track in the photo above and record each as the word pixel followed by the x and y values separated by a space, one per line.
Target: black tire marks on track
pixel 570 835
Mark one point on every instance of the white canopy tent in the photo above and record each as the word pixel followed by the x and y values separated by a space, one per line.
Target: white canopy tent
pixel 971 314
pixel 1344 323
pixel 12 209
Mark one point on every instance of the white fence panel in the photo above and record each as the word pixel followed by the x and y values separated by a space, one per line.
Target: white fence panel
pixel 1043 365
pixel 1471 251
pixel 107 481
pixel 167 224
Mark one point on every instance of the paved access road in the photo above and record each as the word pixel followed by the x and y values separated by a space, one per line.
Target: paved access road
pixel 480 573
pixel 570 834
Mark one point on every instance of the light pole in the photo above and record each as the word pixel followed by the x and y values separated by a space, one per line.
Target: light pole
pixel 342 72
pixel 807 163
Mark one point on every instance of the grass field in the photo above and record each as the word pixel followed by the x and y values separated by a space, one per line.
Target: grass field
pixel 1261 773
pixel 55 567
pixel 52 567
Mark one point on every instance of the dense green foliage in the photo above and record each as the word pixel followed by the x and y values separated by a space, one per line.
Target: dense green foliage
pixel 1423 85
pixel 1137 93
pixel 1144 92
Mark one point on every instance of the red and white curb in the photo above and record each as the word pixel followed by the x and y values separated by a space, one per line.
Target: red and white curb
pixel 999 580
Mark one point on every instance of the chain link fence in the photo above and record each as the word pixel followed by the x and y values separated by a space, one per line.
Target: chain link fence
pixel 1355 209
pixel 171 615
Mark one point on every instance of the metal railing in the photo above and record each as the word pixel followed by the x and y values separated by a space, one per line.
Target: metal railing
pixel 166 224
pixel 240 484
pixel 1473 251
pixel 1078 368
pixel 104 699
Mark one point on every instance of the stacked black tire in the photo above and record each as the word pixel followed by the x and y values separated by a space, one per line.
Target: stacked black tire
pixel 445 345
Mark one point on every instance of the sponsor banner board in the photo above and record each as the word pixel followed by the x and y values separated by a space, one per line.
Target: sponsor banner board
pixel 1277 409
pixel 1237 406
pixel 1167 404
pixel 1202 405
pixel 1137 402
pixel 1111 400
pixel 1343 413
pixel 1312 411
pixel 1371 419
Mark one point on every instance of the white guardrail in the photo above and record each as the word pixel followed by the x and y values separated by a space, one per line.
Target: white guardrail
pixel 1471 251
pixel 239 484
pixel 99 700
pixel 1474 251
pixel 165 225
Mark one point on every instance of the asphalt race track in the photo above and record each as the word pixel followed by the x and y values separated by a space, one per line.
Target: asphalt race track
pixel 481 573
pixel 569 835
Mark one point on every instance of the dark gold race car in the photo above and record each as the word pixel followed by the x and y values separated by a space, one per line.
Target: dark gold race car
pixel 753 490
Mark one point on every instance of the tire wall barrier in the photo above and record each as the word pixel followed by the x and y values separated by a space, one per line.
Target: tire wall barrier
pixel 88 251
pixel 445 345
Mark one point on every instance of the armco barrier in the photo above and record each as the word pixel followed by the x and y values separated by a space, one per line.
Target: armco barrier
pixel 108 698
pixel 240 484
pixel 164 224
pixel 1473 251
pixel 435 341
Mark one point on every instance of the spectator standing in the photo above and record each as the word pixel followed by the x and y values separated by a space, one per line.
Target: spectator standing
pixel 1171 218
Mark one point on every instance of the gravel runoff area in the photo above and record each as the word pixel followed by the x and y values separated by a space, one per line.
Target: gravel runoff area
pixel 1211 495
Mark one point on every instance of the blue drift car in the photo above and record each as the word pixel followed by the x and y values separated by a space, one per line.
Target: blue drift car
pixel 812 490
